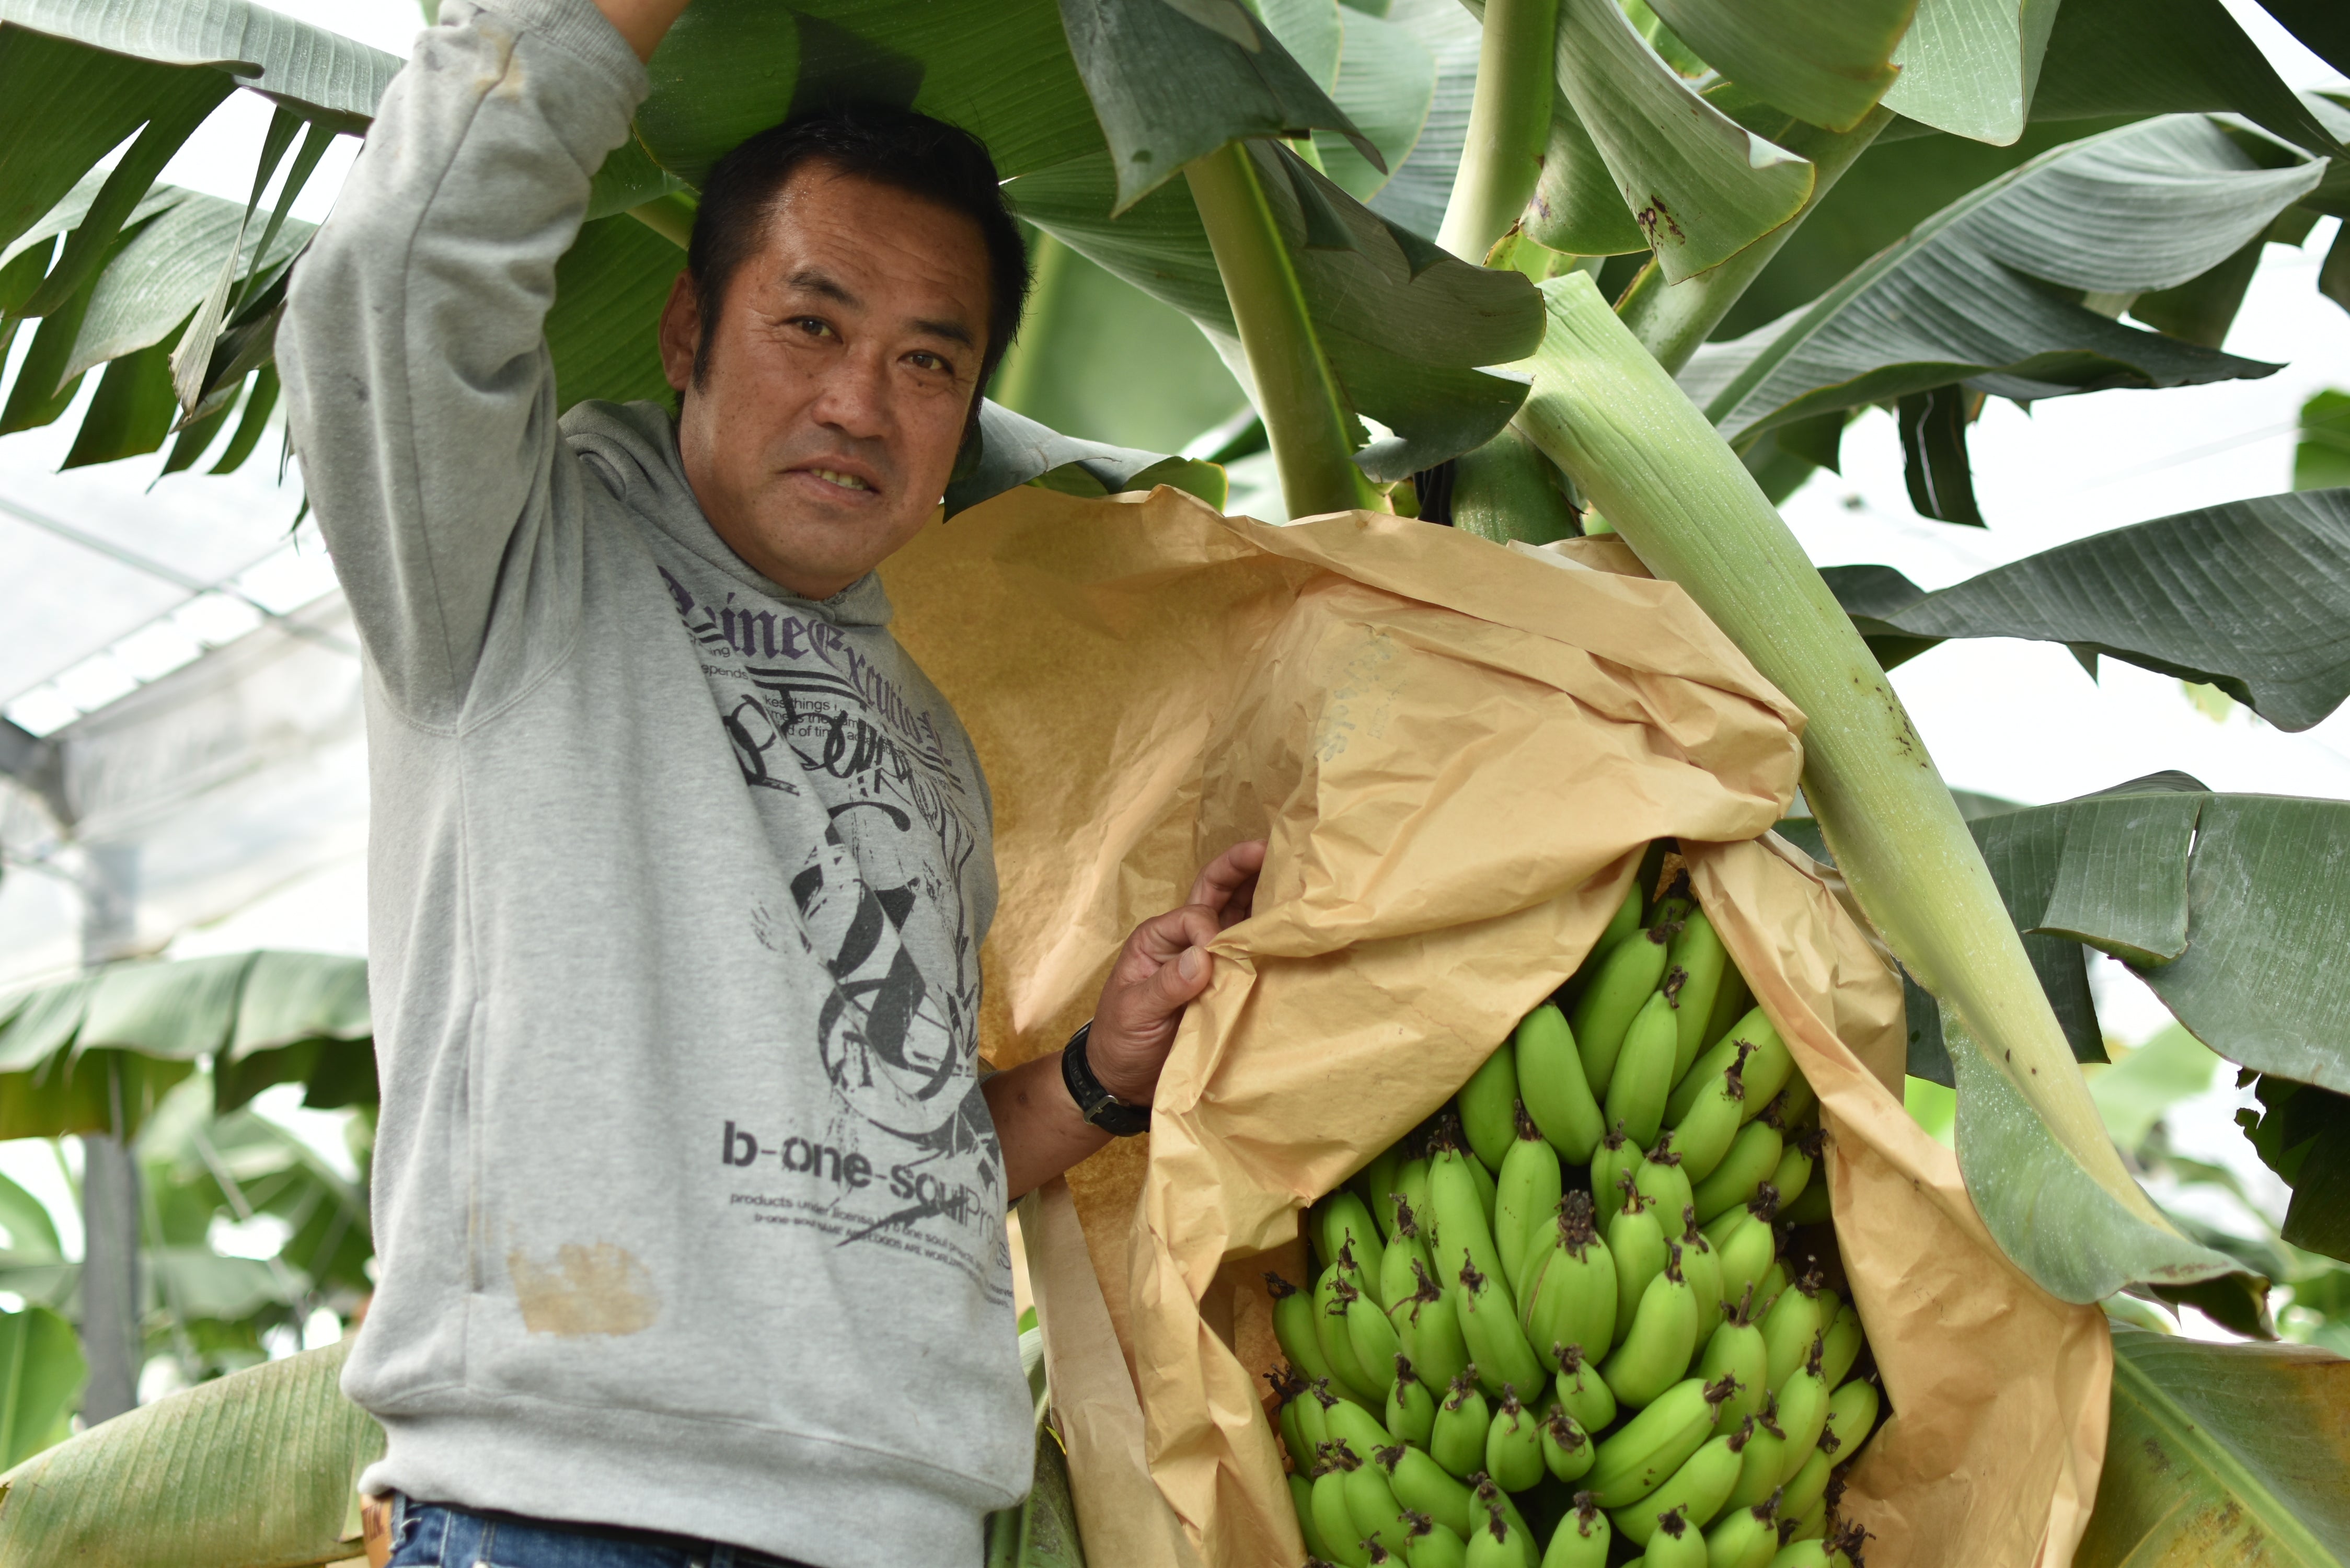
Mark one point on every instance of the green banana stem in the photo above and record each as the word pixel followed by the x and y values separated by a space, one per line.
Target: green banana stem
pixel 1609 414
pixel 1671 319
pixel 1304 417
pixel 1017 378
pixel 1509 123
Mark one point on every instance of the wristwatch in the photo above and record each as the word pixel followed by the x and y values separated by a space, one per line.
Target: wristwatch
pixel 1095 1103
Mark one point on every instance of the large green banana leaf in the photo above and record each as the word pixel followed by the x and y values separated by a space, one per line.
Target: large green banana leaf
pixel 1969 66
pixel 1968 296
pixel 41 1374
pixel 2167 56
pixel 1384 82
pixel 1420 182
pixel 135 1029
pixel 2303 1133
pixel 1828 64
pixel 2223 1453
pixel 257 1469
pixel 2253 596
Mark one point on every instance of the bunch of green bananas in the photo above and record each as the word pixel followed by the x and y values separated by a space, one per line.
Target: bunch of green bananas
pixel 1560 1322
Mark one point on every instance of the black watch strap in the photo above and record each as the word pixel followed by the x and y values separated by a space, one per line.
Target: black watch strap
pixel 1095 1103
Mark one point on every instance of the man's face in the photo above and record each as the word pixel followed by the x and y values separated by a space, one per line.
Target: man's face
pixel 838 380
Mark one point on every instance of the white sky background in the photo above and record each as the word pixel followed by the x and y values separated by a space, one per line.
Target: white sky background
pixel 2015 719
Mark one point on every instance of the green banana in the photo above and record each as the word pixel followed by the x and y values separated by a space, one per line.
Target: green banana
pixel 1374 1185
pixel 1792 1326
pixel 1654 1353
pixel 1331 1515
pixel 1798 1160
pixel 1635 1461
pixel 1744 1537
pixel 1852 1413
pixel 1427 1330
pixel 1571 1298
pixel 1698 953
pixel 1348 1376
pixel 1695 1492
pixel 1771 1286
pixel 1489 1496
pixel 1314 1418
pixel 1497 1346
pixel 1293 1326
pixel 1527 1194
pixel 1428 1544
pixel 1411 1186
pixel 1621 924
pixel 1797 1100
pixel 1735 1350
pixel 1488 1103
pixel 1702 1264
pixel 1370 1336
pixel 1345 1231
pixel 1420 1484
pixel 1484 1178
pixel 1405 1248
pixel 1566 1448
pixel 1373 1508
pixel 1730 1003
pixel 1809 1484
pixel 1658 1176
pixel 1745 1242
pixel 1637 1239
pixel 1497 1544
pixel 1674 1543
pixel 1703 1133
pixel 1514 1447
pixel 1762 1447
pixel 1766 1069
pixel 1804 1551
pixel 1611 1165
pixel 1841 1346
pixel 1457 1438
pixel 1289 1392
pixel 1551 1083
pixel 1582 1394
pixel 1358 1429
pixel 1753 1155
pixel 1411 1408
pixel 1619 988
pixel 1581 1537
pixel 1811 1206
pixel 1643 1077
pixel 1803 1415
pixel 1464 1235
pixel 1301 1498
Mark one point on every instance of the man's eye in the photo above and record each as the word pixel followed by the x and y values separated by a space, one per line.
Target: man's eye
pixel 814 326
pixel 927 362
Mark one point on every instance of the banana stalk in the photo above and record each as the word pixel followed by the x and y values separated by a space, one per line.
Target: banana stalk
pixel 1509 123
pixel 1304 417
pixel 1610 416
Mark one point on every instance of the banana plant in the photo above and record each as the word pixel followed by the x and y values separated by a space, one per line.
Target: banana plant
pixel 1455 260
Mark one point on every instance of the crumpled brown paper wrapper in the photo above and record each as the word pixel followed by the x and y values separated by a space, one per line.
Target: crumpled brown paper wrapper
pixel 1459 752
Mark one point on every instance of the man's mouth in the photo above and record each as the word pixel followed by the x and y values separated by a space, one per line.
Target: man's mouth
pixel 834 477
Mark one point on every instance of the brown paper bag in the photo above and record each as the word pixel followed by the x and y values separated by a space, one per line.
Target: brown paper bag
pixel 1458 752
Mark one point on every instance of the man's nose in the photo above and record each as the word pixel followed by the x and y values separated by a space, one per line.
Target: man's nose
pixel 855 397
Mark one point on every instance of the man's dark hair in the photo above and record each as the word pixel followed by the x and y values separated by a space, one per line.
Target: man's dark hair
pixel 894 147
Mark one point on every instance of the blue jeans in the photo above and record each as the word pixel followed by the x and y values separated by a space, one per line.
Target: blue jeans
pixel 432 1535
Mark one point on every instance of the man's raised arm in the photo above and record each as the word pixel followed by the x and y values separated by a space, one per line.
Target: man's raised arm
pixel 419 389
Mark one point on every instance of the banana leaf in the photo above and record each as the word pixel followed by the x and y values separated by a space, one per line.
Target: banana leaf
pixel 2303 1133
pixel 1386 86
pixel 256 1469
pixel 135 1029
pixel 2251 597
pixel 1973 294
pixel 2167 56
pixel 41 1374
pixel 2320 23
pixel 2322 460
pixel 1826 64
pixel 2223 1453
pixel 602 330
pixel 1419 184
pixel 1969 66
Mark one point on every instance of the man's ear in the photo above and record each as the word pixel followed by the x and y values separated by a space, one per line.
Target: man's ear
pixel 680 331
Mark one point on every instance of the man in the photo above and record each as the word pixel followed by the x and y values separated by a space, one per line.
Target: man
pixel 690 1208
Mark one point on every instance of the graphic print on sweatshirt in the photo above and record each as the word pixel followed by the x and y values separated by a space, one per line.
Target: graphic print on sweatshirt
pixel 905 1155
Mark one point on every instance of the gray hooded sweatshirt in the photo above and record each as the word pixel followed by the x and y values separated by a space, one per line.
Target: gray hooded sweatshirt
pixel 689 1212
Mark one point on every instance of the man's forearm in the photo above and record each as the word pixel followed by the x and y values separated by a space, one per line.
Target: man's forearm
pixel 1038 1124
pixel 644 23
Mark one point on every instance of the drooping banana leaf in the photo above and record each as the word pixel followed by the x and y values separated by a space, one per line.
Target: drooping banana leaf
pixel 2303 1133
pixel 1405 326
pixel 1385 85
pixel 2253 596
pixel 1420 184
pixel 320 72
pixel 2167 56
pixel 1701 186
pixel 602 331
pixel 164 271
pixel 1828 64
pixel 2223 1453
pixel 1014 451
pixel 256 1469
pixel 1969 66
pixel 1973 295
